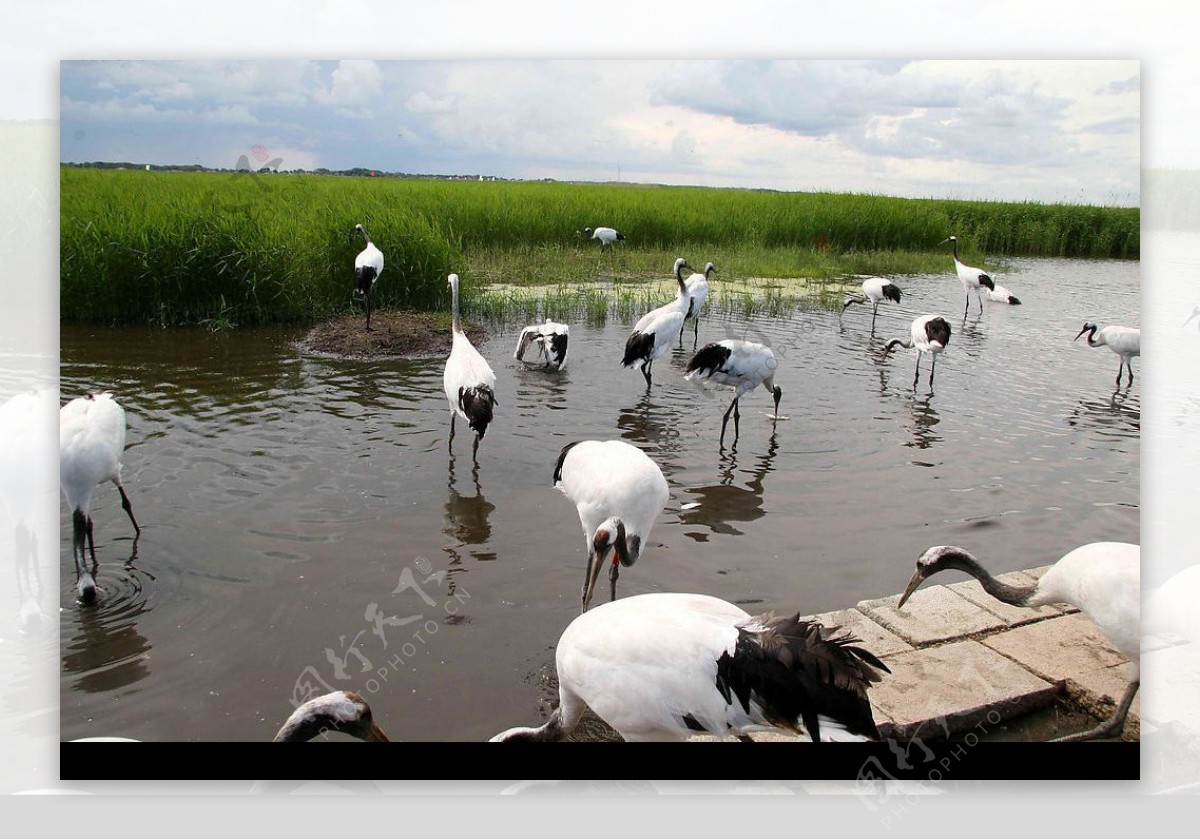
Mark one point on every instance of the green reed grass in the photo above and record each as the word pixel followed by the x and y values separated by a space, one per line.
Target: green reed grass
pixel 239 249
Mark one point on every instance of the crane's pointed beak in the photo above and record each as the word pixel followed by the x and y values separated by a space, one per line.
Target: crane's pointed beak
pixel 595 564
pixel 375 733
pixel 917 579
pixel 944 241
pixel 1081 332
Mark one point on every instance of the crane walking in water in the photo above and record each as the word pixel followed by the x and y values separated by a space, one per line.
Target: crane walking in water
pixel 655 332
pixel 973 279
pixel 742 365
pixel 468 380
pixel 930 334
pixel 875 290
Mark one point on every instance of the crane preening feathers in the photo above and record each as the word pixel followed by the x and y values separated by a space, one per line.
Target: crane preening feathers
pixel 550 339
pixel 664 666
pixel 368 265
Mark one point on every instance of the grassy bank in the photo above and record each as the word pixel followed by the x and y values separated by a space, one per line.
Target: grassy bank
pixel 225 249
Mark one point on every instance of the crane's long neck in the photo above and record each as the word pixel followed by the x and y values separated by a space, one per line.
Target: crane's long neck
pixel 1018 596
pixel 551 730
pixel 457 320
pixel 1092 340
pixel 954 244
pixel 683 289
pixel 366 236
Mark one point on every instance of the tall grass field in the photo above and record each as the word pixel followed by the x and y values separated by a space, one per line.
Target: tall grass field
pixel 166 248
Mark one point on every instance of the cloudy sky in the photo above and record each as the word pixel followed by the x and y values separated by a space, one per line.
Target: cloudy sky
pixel 1014 130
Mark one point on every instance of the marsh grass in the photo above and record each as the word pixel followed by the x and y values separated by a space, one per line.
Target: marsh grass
pixel 230 250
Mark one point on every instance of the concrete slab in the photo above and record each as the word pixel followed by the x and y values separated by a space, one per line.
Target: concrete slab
pixel 952 688
pixel 1057 648
pixel 1100 690
pixel 933 614
pixel 1013 616
pixel 876 638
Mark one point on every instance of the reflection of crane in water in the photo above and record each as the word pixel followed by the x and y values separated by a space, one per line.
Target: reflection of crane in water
pixel 925 417
pixel 726 502
pixel 1114 415
pixel 107 651
pixel 467 520
pixel 654 424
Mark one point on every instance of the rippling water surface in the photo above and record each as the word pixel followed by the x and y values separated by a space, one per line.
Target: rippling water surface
pixel 304 526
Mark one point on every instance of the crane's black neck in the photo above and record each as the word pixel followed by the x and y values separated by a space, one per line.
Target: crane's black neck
pixel 1018 596
pixel 456 320
pixel 363 231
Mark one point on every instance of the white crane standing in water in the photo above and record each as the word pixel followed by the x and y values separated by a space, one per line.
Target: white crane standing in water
pixel 655 332
pixel 1126 342
pixel 91 441
pixel 742 365
pixel 368 265
pixel 665 666
pixel 618 492
pixel 468 380
pixel 929 334
pixel 973 279
pixel 875 290
pixel 697 286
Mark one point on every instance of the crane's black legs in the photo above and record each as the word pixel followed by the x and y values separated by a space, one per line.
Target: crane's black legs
pixel 932 368
pixel 475 451
pixel 917 374
pixel 1111 727
pixel 695 332
pixel 1120 369
pixel 368 297
pixel 733 407
pixel 646 372
pixel 128 509
pixel 450 444
pixel 874 313
pixel 968 306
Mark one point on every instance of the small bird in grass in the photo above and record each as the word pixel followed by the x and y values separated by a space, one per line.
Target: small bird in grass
pixel 697 286
pixel 91 444
pixel 468 380
pixel 368 265
pixel 930 334
pixel 338 711
pixel 875 290
pixel 618 492
pixel 1103 580
pixel 606 235
pixel 655 332
pixel 550 339
pixel 742 365
pixel 665 666
pixel 1002 295
pixel 1126 342
pixel 973 279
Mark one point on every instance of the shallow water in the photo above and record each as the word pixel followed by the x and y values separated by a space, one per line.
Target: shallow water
pixel 299 514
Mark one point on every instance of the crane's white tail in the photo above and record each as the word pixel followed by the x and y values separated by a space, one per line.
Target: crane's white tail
pixel 799 672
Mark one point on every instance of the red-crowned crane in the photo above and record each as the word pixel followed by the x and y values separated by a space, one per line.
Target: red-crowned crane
pixel 742 365
pixel 91 437
pixel 973 279
pixel 1126 342
pixel 655 332
pixel 551 342
pixel 338 711
pixel 930 334
pixel 368 265
pixel 665 666
pixel 697 286
pixel 468 379
pixel 875 290
pixel 1000 294
pixel 1103 580
pixel 618 492
pixel 606 235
